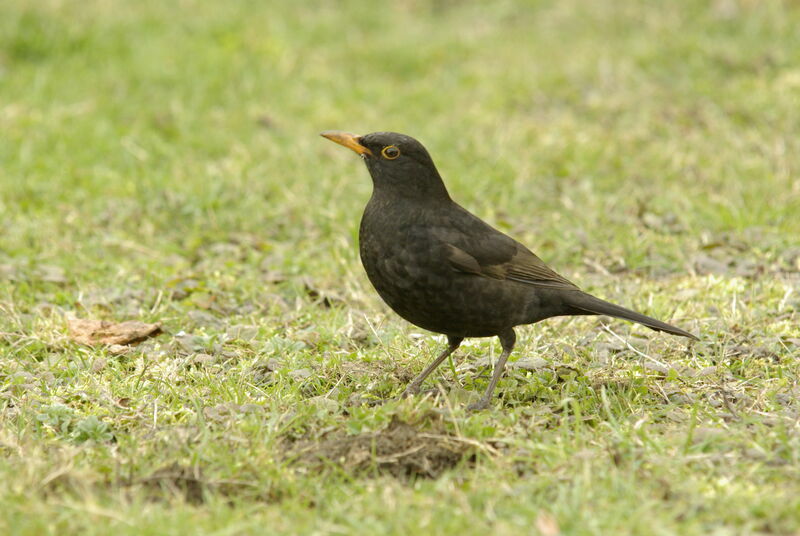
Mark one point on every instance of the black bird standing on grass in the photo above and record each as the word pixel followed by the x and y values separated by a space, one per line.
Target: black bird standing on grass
pixel 444 269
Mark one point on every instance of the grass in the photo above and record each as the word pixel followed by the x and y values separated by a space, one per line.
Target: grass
pixel 160 162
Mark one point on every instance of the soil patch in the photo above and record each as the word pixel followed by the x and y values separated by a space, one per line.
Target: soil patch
pixel 401 449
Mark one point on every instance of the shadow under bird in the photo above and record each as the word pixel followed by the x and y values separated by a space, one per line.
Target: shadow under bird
pixel 446 270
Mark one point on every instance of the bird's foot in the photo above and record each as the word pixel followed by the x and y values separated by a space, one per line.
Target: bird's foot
pixel 480 405
pixel 411 390
pixel 416 391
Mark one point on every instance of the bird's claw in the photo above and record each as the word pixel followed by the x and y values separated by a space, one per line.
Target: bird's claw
pixel 480 405
pixel 410 391
pixel 413 392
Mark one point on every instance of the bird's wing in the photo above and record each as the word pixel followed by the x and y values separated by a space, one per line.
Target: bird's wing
pixel 472 246
pixel 519 265
pixel 526 267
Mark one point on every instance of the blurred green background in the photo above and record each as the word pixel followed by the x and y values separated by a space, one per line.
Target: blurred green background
pixel 173 123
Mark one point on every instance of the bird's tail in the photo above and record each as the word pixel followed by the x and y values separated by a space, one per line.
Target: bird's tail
pixel 588 304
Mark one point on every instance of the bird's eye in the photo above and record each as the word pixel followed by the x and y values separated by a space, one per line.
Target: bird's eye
pixel 390 152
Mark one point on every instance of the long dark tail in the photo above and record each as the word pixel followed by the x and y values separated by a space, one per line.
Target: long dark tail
pixel 591 305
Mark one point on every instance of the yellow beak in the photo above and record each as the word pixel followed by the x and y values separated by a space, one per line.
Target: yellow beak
pixel 351 141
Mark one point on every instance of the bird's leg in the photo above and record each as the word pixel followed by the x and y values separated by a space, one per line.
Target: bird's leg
pixel 507 340
pixel 452 345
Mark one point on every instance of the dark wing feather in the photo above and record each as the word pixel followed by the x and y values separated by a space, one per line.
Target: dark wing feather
pixel 487 252
pixel 526 267
pixel 474 247
pixel 522 266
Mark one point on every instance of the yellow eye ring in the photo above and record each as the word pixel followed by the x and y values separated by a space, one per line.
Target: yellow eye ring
pixel 390 152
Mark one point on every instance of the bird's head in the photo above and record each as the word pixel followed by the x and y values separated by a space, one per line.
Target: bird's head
pixel 399 164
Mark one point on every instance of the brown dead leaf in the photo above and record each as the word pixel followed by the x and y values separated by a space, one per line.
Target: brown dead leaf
pixel 93 332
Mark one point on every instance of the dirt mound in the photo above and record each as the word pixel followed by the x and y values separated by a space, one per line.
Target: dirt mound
pixel 401 449
pixel 176 480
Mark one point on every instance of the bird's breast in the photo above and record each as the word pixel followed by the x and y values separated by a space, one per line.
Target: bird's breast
pixel 397 258
pixel 408 266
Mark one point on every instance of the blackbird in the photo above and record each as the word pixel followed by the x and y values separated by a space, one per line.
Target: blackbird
pixel 446 270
